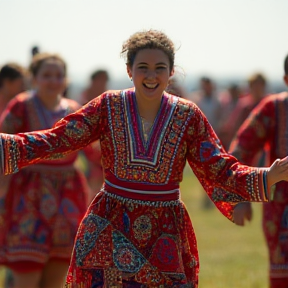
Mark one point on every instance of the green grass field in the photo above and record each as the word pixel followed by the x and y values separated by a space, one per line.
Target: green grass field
pixel 230 256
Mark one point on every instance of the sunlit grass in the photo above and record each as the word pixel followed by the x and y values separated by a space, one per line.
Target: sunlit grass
pixel 230 256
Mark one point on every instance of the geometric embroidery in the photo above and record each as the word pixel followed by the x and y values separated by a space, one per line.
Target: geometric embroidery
pixel 125 255
pixel 93 225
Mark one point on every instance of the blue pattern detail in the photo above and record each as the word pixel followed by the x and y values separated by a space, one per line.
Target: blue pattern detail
pixel 126 222
pixel 125 256
pixel 84 245
pixel 208 151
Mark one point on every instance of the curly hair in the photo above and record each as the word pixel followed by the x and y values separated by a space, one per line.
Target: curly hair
pixel 148 39
pixel 41 58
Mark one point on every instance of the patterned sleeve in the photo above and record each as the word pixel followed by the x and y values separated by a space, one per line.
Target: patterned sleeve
pixel 224 179
pixel 255 132
pixel 71 133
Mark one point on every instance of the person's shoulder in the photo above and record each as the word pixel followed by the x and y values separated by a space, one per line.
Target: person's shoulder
pixel 19 102
pixel 23 96
pixel 20 99
pixel 114 93
pixel 116 96
pixel 72 104
pixel 282 96
pixel 106 98
pixel 273 98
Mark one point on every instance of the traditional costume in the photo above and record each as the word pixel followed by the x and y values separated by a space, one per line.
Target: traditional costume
pixel 137 231
pixel 45 202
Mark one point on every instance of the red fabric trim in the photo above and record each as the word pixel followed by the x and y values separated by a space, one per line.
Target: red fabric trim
pixel 141 186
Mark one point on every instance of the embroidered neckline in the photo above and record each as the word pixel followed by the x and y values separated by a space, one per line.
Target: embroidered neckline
pixel 141 150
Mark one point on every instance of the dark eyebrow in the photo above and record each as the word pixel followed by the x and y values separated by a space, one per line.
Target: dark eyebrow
pixel 159 63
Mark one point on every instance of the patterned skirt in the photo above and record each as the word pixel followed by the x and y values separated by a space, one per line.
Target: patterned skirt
pixel 124 242
pixel 40 215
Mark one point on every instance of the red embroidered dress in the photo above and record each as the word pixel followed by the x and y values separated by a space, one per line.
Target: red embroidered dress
pixel 268 126
pixel 45 202
pixel 137 232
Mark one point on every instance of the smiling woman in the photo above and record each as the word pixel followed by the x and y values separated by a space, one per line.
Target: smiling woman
pixel 150 63
pixel 137 231
pixel 150 72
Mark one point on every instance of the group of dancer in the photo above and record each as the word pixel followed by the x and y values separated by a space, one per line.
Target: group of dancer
pixel 136 232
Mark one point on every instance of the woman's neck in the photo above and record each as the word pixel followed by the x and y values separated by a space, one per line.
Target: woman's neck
pixel 50 103
pixel 148 109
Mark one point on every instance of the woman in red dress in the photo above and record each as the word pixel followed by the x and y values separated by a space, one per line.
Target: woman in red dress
pixel 137 231
pixel 44 204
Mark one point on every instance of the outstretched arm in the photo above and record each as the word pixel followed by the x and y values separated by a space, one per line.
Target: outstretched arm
pixel 225 179
pixel 72 133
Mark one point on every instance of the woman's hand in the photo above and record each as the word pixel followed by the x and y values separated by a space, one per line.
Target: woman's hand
pixel 278 171
pixel 242 212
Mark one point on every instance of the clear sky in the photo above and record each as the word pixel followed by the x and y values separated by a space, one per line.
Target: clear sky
pixel 221 38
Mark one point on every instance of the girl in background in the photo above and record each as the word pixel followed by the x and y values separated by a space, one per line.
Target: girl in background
pixel 44 202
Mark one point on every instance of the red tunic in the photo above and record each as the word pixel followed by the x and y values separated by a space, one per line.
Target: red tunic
pixel 45 202
pixel 137 231
pixel 267 126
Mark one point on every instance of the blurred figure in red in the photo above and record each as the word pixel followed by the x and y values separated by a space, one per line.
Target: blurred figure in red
pixel 257 86
pixel 44 203
pixel 267 127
